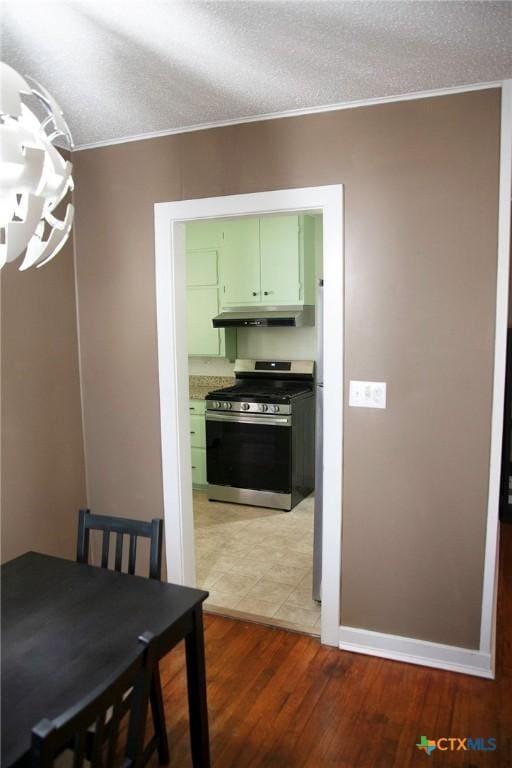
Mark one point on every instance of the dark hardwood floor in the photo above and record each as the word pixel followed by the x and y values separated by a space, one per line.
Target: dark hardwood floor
pixel 281 700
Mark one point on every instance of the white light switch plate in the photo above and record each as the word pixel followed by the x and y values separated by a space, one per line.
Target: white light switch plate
pixel 367 394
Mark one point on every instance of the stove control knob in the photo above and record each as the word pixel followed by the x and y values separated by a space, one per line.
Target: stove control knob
pixel 245 406
pixel 263 407
pixel 274 408
pixel 217 404
pixel 227 406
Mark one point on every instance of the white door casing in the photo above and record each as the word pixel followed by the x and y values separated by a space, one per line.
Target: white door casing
pixel 173 373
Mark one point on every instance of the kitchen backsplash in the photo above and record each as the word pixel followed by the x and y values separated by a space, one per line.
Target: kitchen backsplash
pixel 278 343
pixel 210 366
pixel 260 344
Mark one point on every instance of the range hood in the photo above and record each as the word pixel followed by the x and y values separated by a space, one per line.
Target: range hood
pixel 266 317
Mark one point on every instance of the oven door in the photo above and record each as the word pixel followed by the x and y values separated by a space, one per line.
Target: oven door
pixel 252 451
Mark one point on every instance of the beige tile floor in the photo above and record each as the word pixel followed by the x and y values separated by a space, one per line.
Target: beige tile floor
pixel 257 562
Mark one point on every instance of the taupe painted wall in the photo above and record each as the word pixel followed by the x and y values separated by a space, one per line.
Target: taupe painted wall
pixel 43 475
pixel 421 181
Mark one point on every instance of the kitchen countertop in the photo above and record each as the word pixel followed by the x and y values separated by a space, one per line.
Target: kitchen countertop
pixel 199 386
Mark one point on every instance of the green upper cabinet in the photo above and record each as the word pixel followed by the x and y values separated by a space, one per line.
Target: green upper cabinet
pixel 202 305
pixel 203 293
pixel 203 302
pixel 241 262
pixel 201 235
pixel 202 267
pixel 280 260
pixel 245 262
pixel 268 261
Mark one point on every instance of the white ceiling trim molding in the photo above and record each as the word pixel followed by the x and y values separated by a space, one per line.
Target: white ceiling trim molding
pixel 412 96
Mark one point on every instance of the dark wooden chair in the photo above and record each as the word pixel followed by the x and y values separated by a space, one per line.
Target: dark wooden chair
pixel 72 730
pixel 121 527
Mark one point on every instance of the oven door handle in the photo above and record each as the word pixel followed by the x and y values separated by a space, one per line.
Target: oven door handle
pixel 263 420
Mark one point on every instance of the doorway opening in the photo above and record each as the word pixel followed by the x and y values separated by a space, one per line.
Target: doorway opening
pixel 254 319
pixel 171 220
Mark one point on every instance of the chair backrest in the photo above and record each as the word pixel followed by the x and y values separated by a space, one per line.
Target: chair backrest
pixel 72 730
pixel 121 526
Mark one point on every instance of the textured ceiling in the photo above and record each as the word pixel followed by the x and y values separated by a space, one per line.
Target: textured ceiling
pixel 121 69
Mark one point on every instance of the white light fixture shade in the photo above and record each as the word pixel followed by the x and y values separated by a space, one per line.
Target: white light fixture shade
pixel 34 177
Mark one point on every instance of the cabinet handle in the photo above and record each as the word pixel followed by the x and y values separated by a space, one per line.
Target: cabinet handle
pixel 255 293
pixel 193 467
pixel 267 293
pixel 192 433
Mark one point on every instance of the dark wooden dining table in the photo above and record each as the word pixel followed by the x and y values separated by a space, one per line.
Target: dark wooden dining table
pixel 67 626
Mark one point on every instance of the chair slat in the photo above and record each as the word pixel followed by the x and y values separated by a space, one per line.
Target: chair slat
pixel 104 549
pixel 132 554
pixel 119 551
pixel 113 734
pixel 79 751
pixel 97 749
pixel 82 544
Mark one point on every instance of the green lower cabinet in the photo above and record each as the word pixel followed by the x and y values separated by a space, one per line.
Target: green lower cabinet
pixel 197 431
pixel 198 442
pixel 198 467
pixel 196 407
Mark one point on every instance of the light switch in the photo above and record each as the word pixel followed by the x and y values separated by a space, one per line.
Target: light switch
pixel 367 394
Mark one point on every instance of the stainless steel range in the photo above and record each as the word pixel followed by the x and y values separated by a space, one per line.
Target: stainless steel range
pixel 260 435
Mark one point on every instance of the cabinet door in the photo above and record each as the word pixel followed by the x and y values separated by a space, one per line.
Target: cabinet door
pixel 198 466
pixel 280 260
pixel 202 306
pixel 197 431
pixel 240 263
pixel 202 267
pixel 203 234
pixel 196 407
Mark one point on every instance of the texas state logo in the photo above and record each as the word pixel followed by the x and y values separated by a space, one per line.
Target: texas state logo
pixel 456 744
pixel 426 745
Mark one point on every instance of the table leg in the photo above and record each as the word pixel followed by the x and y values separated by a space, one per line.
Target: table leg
pixel 197 705
pixel 158 712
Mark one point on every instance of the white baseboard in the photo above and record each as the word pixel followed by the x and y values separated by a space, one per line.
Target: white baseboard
pixel 412 651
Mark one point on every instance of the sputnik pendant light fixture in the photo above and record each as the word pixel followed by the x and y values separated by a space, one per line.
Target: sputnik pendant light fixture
pixel 34 177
